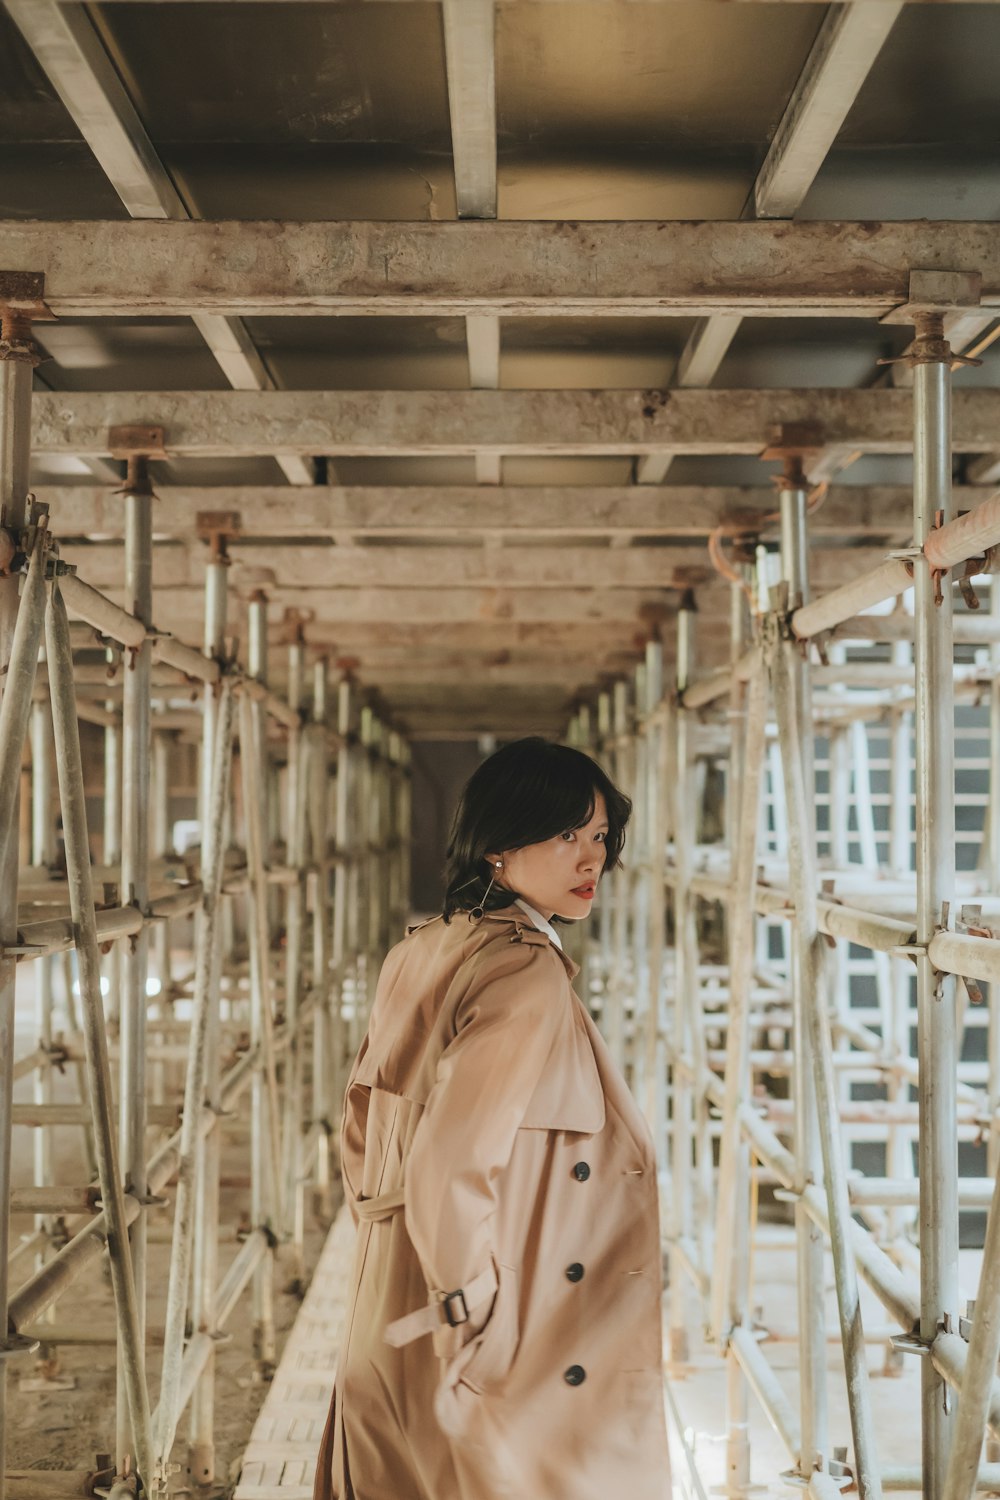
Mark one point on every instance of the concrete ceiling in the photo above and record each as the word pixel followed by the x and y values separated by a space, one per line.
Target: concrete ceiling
pixel 407 111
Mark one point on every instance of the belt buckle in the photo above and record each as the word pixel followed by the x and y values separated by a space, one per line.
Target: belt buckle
pixel 446 1301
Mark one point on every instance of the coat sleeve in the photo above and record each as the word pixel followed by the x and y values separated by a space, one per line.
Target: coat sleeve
pixel 506 1027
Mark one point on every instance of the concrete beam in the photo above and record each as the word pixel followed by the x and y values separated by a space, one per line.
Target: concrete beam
pixel 180 609
pixel 501 267
pixel 404 510
pixel 327 568
pixel 519 2
pixel 388 639
pixel 385 423
pixel 562 677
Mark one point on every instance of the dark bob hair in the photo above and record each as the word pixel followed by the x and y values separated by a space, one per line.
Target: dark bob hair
pixel 528 791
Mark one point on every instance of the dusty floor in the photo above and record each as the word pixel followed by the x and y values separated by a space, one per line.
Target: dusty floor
pixel 65 1428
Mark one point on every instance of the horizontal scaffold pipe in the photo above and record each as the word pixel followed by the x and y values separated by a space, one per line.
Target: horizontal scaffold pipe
pixel 874 587
pixel 967 956
pixel 57 934
pixel 88 604
pixel 718 684
pixel 866 928
pixel 514 268
pixel 900 1477
pixel 888 1192
pixel 969 536
pixel 968 630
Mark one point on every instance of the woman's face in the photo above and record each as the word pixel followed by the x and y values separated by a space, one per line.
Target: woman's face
pixel 559 876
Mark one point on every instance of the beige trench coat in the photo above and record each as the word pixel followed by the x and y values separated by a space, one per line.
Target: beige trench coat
pixel 490 1144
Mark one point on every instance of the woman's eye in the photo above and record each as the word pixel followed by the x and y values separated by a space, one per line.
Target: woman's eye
pixel 603 836
pixel 568 834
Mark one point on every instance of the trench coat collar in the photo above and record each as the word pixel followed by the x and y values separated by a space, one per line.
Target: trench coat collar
pixel 529 933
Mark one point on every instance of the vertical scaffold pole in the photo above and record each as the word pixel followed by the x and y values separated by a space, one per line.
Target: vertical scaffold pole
pixel 201 1452
pixel 367 866
pixel 18 358
pixel 639 884
pixel 899 1153
pixel 134 959
pixel 656 781
pixel 264 1159
pixel 686 1001
pixel 340 1039
pixel 937 1041
pixel 161 845
pixel 326 1038
pixel 730 1282
pixel 620 759
pixel 993 816
pixel 43 856
pixel 375 894
pixel 811 1005
pixel 113 840
pixel 809 1238
pixel 213 856
pixel 296 787
pixel 605 909
pixel 81 896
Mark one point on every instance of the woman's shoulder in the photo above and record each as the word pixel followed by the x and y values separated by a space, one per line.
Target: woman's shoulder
pixel 476 933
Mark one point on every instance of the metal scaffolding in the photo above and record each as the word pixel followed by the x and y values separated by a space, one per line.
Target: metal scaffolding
pixel 761 881
pixel 296 887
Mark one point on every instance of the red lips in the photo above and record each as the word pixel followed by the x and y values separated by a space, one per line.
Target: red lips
pixel 584 890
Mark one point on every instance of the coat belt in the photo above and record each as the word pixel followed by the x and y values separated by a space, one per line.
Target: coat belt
pixel 380 1207
pixel 435 1315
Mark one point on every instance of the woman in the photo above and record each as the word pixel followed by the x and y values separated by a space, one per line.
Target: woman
pixel 504 1333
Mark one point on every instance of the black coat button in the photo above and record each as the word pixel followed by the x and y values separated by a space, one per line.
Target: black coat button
pixel 581 1172
pixel 575 1375
pixel 575 1271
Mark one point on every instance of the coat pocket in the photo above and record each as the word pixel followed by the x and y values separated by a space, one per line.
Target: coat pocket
pixel 494 1347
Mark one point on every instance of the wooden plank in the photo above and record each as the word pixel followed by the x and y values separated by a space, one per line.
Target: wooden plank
pixel 280 1458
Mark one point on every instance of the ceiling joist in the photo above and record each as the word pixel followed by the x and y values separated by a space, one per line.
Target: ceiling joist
pixel 841 56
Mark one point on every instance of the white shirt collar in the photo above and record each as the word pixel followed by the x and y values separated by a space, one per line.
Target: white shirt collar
pixel 539 921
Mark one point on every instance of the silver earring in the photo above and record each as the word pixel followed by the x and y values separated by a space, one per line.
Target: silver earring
pixel 477 913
